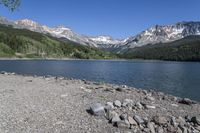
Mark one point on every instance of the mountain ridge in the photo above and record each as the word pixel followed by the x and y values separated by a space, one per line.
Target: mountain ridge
pixel 152 35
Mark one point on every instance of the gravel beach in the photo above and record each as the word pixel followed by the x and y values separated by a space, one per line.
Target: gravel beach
pixel 36 104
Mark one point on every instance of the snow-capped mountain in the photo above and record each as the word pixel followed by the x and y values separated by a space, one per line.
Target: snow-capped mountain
pixel 164 34
pixel 60 32
pixel 152 35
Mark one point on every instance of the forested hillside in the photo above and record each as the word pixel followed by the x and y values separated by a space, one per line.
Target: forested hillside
pixel 27 44
pixel 187 49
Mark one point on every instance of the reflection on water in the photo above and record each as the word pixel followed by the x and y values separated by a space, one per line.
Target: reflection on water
pixel 178 78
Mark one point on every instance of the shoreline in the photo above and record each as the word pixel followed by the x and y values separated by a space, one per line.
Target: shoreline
pixel 74 59
pixel 58 104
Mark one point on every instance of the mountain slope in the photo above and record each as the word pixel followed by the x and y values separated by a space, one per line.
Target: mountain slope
pixel 164 34
pixel 25 43
pixel 186 49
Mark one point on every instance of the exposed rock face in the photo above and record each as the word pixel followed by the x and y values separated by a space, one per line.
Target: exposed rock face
pixel 164 34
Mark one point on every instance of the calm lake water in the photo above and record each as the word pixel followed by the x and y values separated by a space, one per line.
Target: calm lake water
pixel 177 78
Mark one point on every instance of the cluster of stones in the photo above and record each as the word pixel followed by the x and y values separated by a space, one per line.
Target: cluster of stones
pixel 137 123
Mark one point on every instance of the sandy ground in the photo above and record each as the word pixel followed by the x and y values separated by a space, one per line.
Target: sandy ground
pixel 56 105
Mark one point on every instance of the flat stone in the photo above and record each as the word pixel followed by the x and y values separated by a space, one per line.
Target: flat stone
pixel 132 121
pixel 160 120
pixel 138 119
pixel 150 107
pixel 174 105
pixel 123 124
pixel 97 109
pixel 117 103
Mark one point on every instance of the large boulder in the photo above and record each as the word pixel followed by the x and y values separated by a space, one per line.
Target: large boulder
pixel 97 109
pixel 187 101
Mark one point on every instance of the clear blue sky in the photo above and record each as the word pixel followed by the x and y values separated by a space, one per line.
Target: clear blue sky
pixel 118 18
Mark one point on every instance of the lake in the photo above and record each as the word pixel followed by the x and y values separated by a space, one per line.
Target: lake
pixel 177 78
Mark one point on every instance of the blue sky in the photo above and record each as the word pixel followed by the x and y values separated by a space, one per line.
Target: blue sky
pixel 117 18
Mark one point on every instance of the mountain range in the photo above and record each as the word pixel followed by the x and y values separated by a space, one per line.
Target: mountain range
pixel 153 36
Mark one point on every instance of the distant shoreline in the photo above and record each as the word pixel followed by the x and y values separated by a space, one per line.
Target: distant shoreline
pixel 76 59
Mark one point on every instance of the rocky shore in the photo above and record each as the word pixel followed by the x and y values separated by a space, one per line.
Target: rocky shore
pixel 61 105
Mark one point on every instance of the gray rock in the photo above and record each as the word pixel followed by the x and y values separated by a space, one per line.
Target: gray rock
pixel 180 121
pixel 117 103
pixel 139 105
pixel 110 105
pixel 110 114
pixel 196 119
pixel 198 128
pixel 150 107
pixel 138 119
pixel 171 129
pixel 160 120
pixel 173 122
pixel 150 125
pixel 120 89
pixel 97 109
pixel 124 116
pixel 115 119
pixel 183 129
pixel 132 121
pixel 159 129
pixel 127 102
pixel 187 101
pixel 123 124
pixel 150 98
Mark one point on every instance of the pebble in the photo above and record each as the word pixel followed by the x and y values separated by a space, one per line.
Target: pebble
pixel 150 125
pixel 123 124
pixel 117 103
pixel 150 98
pixel 138 119
pixel 139 105
pixel 115 119
pixel 110 105
pixel 110 114
pixel 132 121
pixel 159 130
pixel 127 102
pixel 160 120
pixel 149 107
pixel 124 116
pixel 174 105
pixel 97 109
